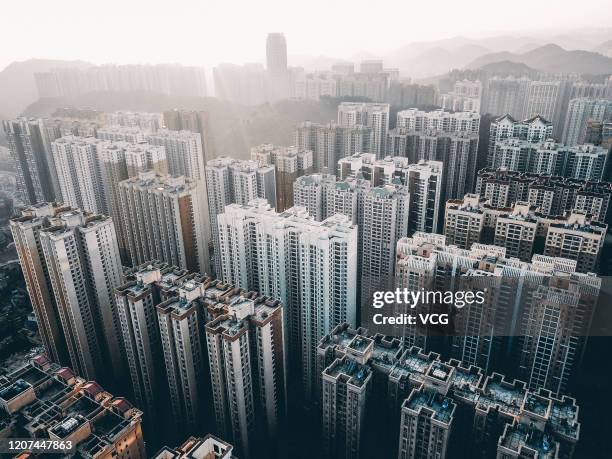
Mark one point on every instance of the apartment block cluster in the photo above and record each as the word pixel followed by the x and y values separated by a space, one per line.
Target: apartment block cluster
pixel 526 146
pixel 451 138
pixel 552 195
pixel 523 230
pixel 525 303
pixel 209 346
pixel 431 406
pixel 191 344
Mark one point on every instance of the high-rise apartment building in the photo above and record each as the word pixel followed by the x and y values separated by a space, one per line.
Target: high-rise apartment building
pixel 505 96
pixel 314 86
pixel 535 129
pixel 247 367
pixel 33 163
pixel 26 230
pixel 464 221
pixel 344 397
pixel 69 124
pixel 146 287
pixel 117 161
pixel 423 179
pixel 383 213
pixel 72 263
pixel 547 99
pixel 181 320
pixel 163 220
pixel 576 238
pixel 427 417
pixel 229 181
pixel 332 142
pixel 382 217
pixel 373 86
pixel 465 97
pixel 324 196
pixel 579 113
pixel 372 115
pixel 311 267
pixel 78 172
pixel 194 121
pixel 89 171
pixel 276 53
pixel 311 193
pixel 438 120
pixel 141 157
pixel 184 152
pixel 279 85
pixel 43 401
pixel 289 163
pixel 451 138
pixel 407 94
pixel 195 344
pixel 383 222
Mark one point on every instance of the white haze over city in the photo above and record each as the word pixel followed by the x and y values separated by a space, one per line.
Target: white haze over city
pixel 209 32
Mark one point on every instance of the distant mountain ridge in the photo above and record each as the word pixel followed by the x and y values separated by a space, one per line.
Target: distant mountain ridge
pixel 604 48
pixel 551 58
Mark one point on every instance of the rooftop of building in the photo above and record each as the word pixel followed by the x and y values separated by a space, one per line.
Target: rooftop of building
pixel 349 370
pixel 61 403
pixel 431 403
pixel 468 384
pixel 198 447
pixel 519 437
pixel 154 181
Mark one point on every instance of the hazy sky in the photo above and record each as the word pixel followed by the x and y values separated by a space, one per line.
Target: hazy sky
pixel 205 32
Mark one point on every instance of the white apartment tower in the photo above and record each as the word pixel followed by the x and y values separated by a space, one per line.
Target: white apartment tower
pixel 384 220
pixel 248 399
pixel 311 267
pixel 183 152
pixel 424 181
pixel 82 258
pixel 579 112
pixel 290 163
pixel 330 142
pixel 373 115
pixel 121 134
pixel 163 220
pixel 536 129
pixel 237 181
pixel 78 173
